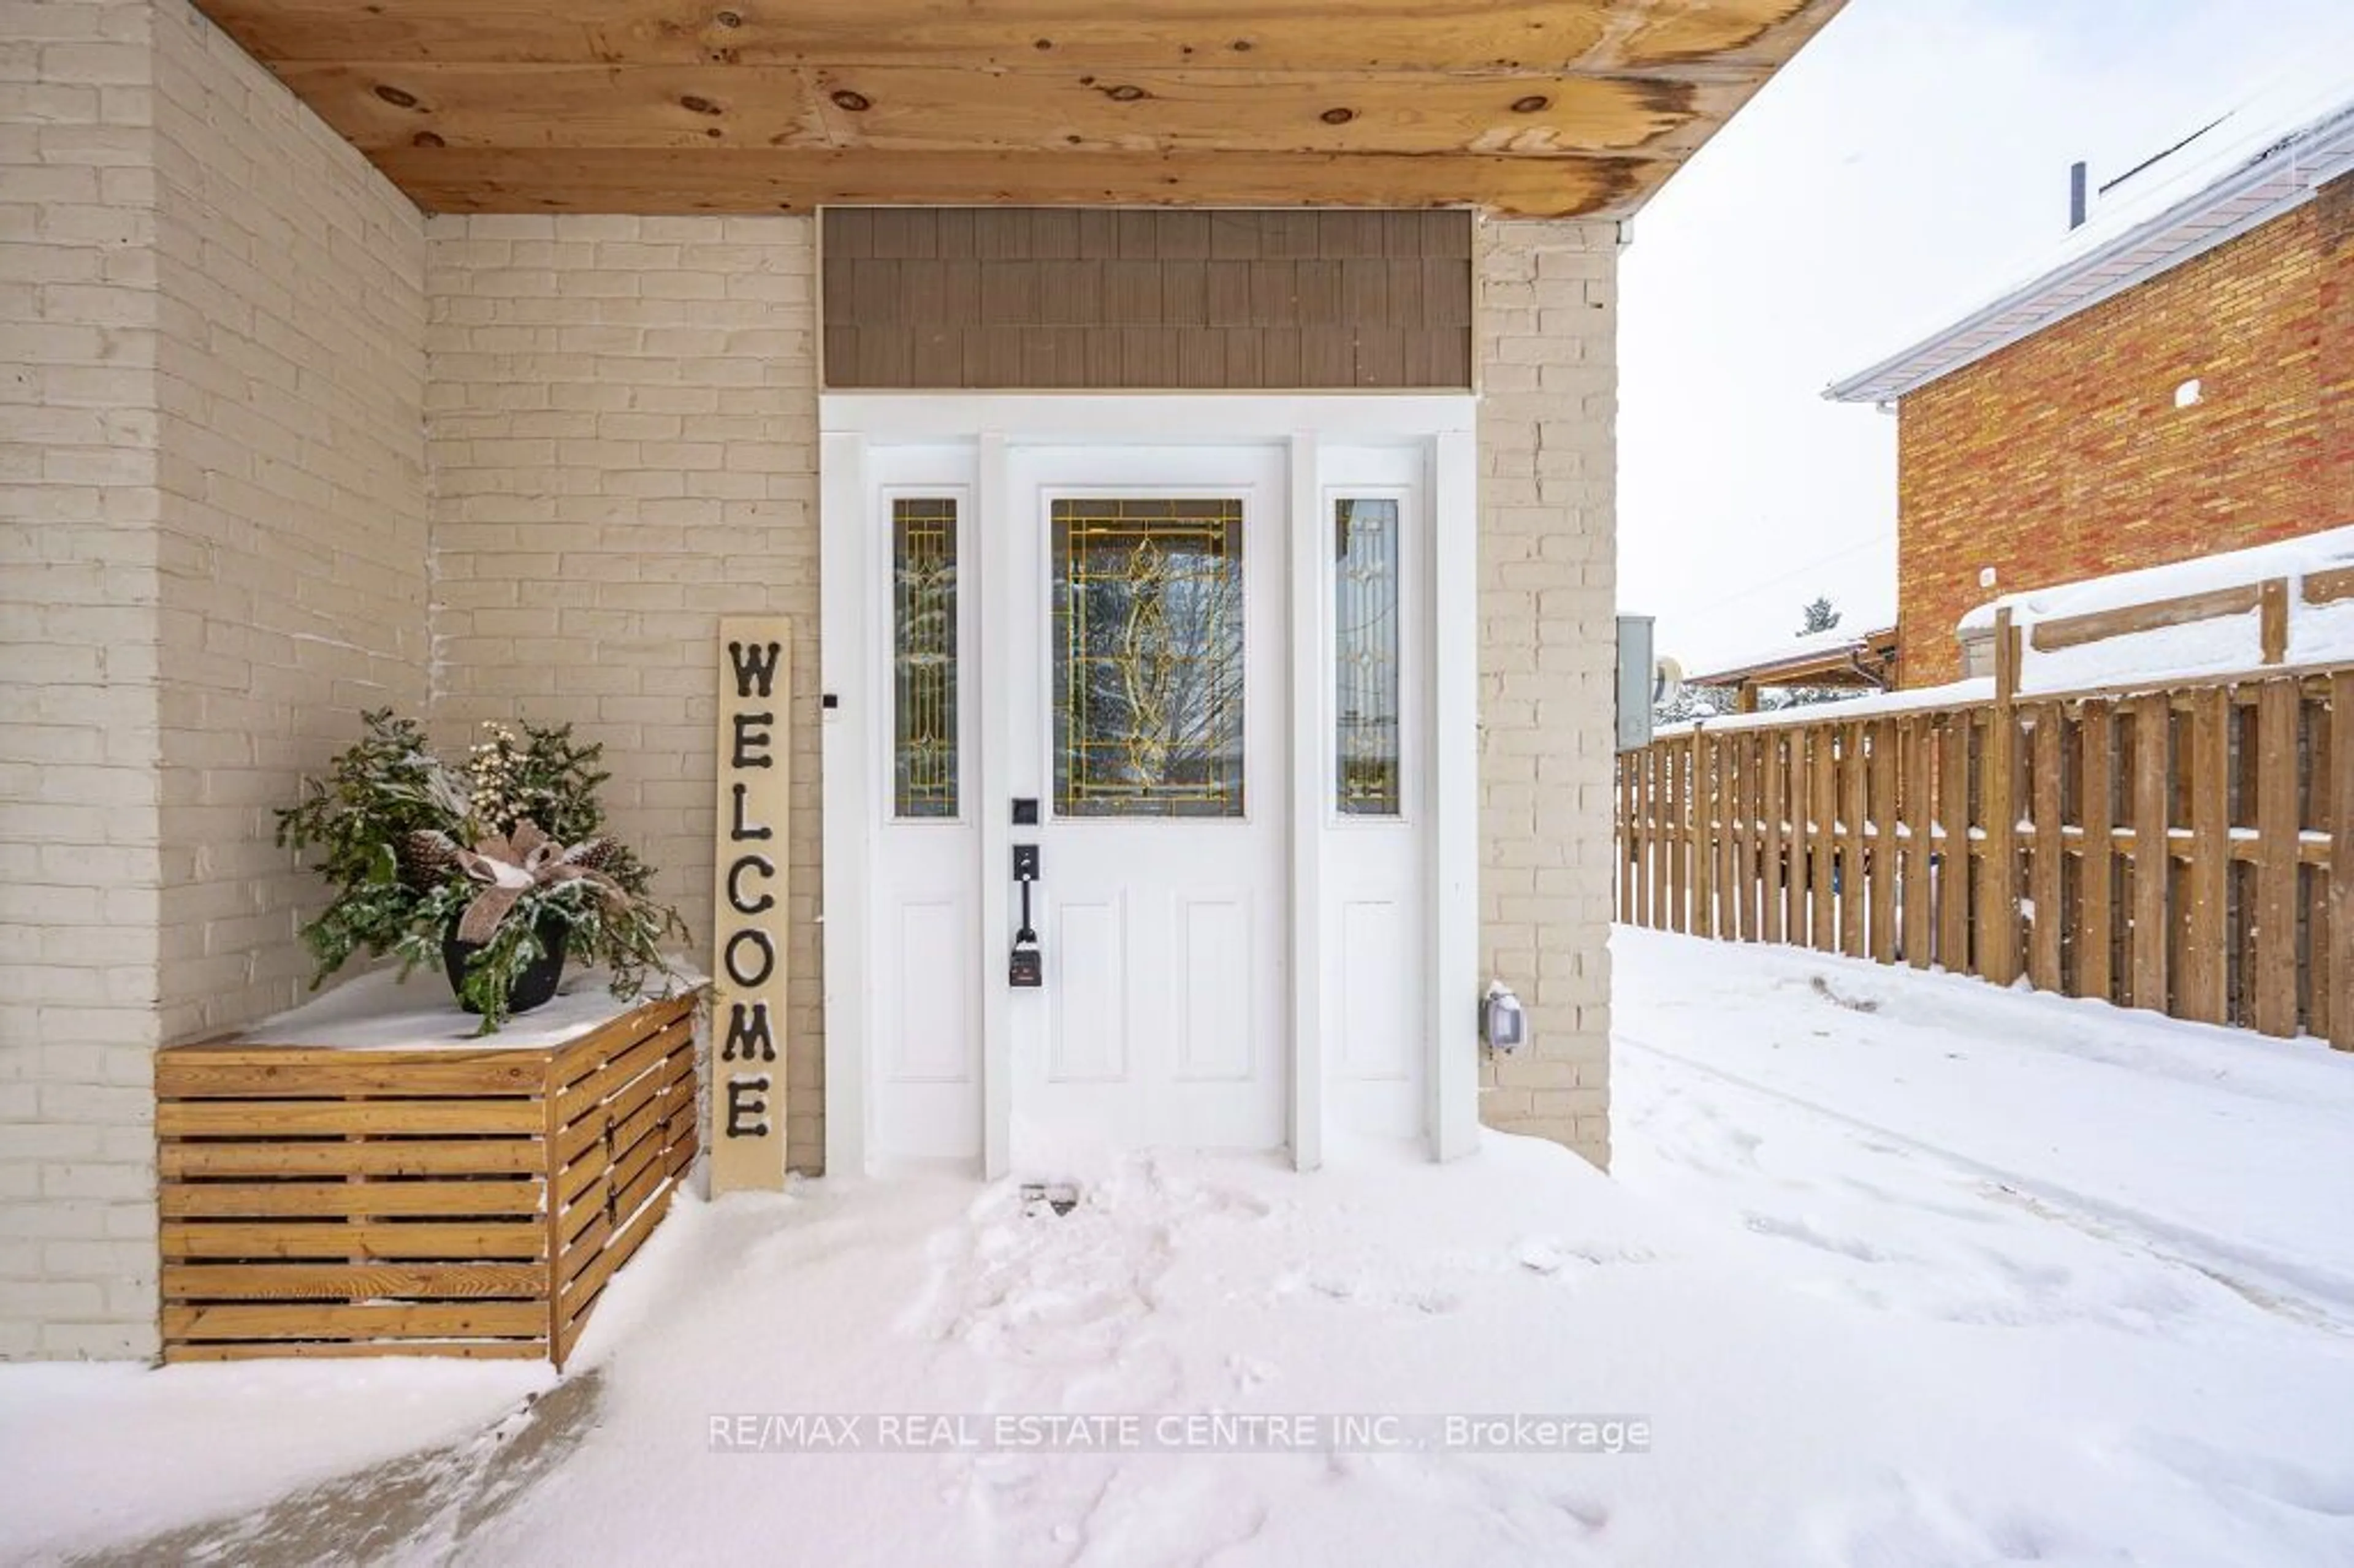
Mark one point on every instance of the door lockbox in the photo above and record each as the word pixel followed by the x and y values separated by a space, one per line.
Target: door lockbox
pixel 1026 968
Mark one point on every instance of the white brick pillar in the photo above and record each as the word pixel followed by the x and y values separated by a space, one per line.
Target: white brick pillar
pixel 1546 353
pixel 213 555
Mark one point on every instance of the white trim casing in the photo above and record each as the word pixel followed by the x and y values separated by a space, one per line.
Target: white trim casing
pixel 1454 834
pixel 845 572
pixel 1311 701
pixel 995 598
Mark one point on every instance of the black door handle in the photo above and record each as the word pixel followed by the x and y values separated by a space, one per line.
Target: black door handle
pixel 1026 966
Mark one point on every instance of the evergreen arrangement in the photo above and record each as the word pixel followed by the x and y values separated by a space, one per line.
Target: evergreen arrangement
pixel 500 853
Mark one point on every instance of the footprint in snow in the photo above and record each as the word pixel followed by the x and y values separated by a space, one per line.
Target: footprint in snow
pixel 1247 1373
pixel 2237 1477
pixel 1807 1234
pixel 1539 1255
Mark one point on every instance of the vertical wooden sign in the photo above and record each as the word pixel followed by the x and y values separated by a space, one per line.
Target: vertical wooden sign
pixel 748 904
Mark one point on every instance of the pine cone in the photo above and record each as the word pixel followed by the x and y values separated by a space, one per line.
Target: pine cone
pixel 593 854
pixel 429 859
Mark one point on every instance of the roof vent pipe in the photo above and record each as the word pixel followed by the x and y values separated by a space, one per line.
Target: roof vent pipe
pixel 2076 194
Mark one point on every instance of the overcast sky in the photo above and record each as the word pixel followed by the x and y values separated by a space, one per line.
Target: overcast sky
pixel 1912 160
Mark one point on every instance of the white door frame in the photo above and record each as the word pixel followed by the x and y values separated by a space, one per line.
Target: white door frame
pixel 1443 426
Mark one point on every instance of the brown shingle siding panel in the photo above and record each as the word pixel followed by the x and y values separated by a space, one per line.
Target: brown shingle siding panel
pixel 1328 356
pixel 850 232
pixel 875 294
pixel 1443 303
pixel 1148 357
pixel 937 357
pixel 1003 235
pixel 1055 235
pixel 1318 285
pixel 1234 237
pixel 905 233
pixel 1140 235
pixel 1070 293
pixel 1444 234
pixel 1201 358
pixel 1246 361
pixel 1100 234
pixel 956 231
pixel 923 292
pixel 1229 293
pixel 960 292
pixel 1381 356
pixel 1183 236
pixel 1009 295
pixel 1012 298
pixel 885 356
pixel 1444 359
pixel 1184 293
pixel 1342 234
pixel 1280 361
pixel 1103 368
pixel 841 352
pixel 1405 289
pixel 1131 293
pixel 1289 235
pixel 1365 290
pixel 1274 293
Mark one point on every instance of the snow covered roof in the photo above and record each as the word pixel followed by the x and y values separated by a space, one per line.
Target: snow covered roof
pixel 2262 159
pixel 1832 658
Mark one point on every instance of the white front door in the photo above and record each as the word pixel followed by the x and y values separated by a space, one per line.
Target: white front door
pixel 1145 708
pixel 1210 660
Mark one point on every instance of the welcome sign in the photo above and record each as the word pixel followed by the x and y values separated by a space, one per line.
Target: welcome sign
pixel 748 904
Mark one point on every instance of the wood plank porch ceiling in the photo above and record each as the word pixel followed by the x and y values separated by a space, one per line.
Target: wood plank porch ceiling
pixel 1549 108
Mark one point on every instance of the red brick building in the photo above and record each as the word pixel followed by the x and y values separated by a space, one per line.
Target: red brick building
pixel 2178 382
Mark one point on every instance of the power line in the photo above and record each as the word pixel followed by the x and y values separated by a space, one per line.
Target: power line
pixel 1750 589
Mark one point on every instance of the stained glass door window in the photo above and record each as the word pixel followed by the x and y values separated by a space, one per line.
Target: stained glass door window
pixel 1365 635
pixel 924 657
pixel 1147 634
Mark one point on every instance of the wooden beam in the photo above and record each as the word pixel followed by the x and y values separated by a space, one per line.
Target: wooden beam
pixel 2205 910
pixel 2075 630
pixel 1338 35
pixel 2096 876
pixel 2153 774
pixel 1917 743
pixel 713 179
pixel 2279 710
pixel 2339 794
pixel 904 107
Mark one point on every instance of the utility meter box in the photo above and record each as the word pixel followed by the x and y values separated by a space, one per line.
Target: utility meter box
pixel 1637 671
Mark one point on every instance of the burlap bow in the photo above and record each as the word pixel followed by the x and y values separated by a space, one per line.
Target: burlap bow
pixel 511 865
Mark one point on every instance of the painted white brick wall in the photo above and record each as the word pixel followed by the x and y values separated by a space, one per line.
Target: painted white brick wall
pixel 1546 348
pixel 624 437
pixel 79 861
pixel 211 453
pixel 291 372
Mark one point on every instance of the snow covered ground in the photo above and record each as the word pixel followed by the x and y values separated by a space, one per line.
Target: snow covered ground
pixel 1895 1269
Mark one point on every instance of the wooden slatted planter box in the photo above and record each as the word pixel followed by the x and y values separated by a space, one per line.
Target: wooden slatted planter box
pixel 475 1199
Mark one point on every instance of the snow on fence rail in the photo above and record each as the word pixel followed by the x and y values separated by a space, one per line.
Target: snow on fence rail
pixel 2175 850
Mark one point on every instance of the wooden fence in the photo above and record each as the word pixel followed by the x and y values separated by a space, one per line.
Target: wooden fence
pixel 2175 850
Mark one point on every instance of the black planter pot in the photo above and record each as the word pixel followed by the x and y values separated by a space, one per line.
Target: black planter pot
pixel 532 988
